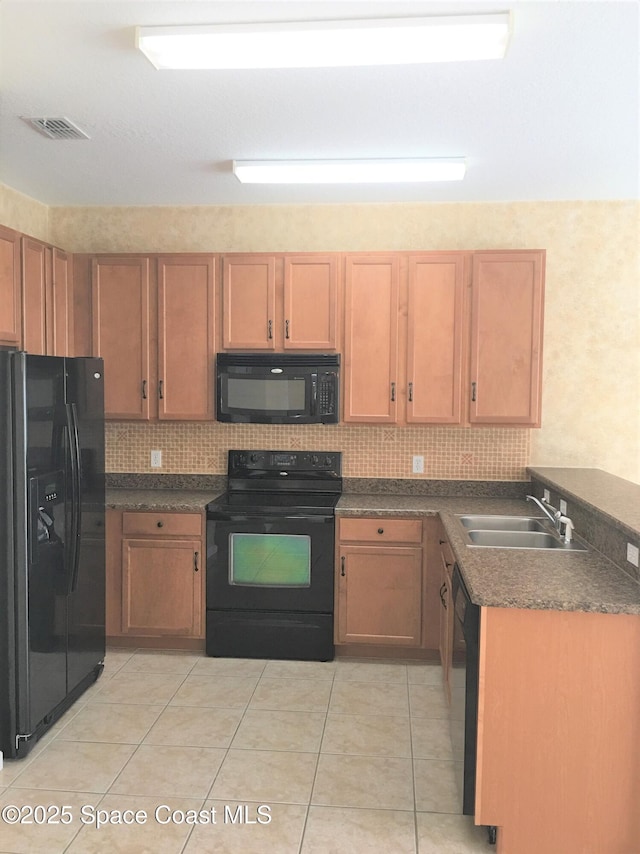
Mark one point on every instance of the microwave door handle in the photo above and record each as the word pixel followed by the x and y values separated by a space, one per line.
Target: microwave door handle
pixel 314 394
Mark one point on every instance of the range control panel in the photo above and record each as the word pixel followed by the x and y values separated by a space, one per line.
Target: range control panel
pixel 297 461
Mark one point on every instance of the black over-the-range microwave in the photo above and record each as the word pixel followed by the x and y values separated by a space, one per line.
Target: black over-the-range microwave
pixel 279 388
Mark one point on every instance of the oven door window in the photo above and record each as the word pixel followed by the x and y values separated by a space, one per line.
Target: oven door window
pixel 269 560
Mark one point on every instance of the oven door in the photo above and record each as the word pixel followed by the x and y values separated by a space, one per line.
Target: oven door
pixel 270 562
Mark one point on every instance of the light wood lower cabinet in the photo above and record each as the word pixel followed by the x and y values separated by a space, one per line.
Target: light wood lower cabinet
pixel 155 576
pixel 446 613
pixel 558 712
pixel 380 582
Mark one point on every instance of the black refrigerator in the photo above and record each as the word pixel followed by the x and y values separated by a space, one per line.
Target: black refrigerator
pixel 52 545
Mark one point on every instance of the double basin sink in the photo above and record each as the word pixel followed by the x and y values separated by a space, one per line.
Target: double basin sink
pixel 515 532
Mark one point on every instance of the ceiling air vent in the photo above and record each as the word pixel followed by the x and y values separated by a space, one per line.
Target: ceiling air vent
pixel 58 128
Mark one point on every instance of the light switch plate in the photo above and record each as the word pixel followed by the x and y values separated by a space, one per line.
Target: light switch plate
pixel 156 459
pixel 633 554
pixel 563 507
pixel 546 495
pixel 418 464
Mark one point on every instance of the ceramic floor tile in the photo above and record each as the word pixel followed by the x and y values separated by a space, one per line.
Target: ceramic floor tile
pixel 115 659
pixel 50 829
pixel 371 735
pixel 424 674
pixel 281 730
pixel 300 669
pixel 75 766
pixel 431 738
pixel 364 781
pixel 369 698
pixel 110 722
pixel 164 662
pixel 223 692
pixel 239 667
pixel 436 786
pixel 195 726
pixel 276 828
pixel 146 688
pixel 166 771
pixel 155 828
pixel 370 671
pixel 451 834
pixel 266 777
pixel 334 830
pixel 428 701
pixel 294 695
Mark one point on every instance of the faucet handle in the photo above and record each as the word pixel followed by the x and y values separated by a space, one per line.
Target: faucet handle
pixel 568 527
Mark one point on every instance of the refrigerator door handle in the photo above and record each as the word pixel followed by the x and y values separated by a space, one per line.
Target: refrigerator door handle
pixel 76 513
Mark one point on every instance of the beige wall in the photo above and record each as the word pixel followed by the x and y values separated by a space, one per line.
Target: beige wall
pixel 591 398
pixel 24 214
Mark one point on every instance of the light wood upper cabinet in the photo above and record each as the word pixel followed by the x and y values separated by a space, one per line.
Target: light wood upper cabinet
pixel 371 339
pixel 311 302
pixel 248 302
pixel 186 349
pixel 435 327
pixel 153 324
pixel 273 302
pixel 37 293
pixel 61 325
pixel 506 338
pixel 10 301
pixel 120 298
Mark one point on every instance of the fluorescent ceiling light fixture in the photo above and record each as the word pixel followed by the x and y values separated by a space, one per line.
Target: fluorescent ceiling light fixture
pixel 349 171
pixel 314 44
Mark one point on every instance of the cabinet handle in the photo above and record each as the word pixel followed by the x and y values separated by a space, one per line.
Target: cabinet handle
pixel 160 524
pixel 342 560
pixel 160 389
pixel 410 392
pixel 393 391
pixel 381 530
pixel 144 389
pixel 473 391
pixel 286 329
pixel 270 330
pixel 196 556
pixel 442 542
pixel 443 590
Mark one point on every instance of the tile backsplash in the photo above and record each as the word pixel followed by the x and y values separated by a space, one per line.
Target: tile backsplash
pixel 492 453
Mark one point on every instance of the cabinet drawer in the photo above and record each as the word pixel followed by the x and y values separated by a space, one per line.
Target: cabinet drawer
pixel 162 524
pixel 381 530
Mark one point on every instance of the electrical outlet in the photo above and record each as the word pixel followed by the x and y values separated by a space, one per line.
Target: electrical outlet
pixel 546 495
pixel 633 554
pixel 418 464
pixel 563 507
pixel 156 459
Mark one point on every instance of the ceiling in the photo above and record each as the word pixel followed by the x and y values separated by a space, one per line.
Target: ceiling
pixel 558 118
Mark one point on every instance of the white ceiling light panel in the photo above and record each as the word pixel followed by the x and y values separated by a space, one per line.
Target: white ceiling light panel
pixel 349 171
pixel 309 44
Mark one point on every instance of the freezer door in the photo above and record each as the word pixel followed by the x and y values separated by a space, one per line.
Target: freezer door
pixel 86 602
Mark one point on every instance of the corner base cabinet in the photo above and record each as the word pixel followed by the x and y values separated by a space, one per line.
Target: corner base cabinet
pixel 155 576
pixel 379 587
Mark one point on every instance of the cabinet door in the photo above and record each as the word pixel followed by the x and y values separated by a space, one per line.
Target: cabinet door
pixel 113 572
pixel 161 589
pixel 434 338
pixel 310 302
pixel 10 302
pixel 506 338
pixel 36 293
pixel 248 303
pixel 380 594
pixel 186 337
pixel 371 339
pixel 59 316
pixel 120 298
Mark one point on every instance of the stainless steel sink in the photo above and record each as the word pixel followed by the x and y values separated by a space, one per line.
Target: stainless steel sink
pixel 504 523
pixel 514 532
pixel 522 540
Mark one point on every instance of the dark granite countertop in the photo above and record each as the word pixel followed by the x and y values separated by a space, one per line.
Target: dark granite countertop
pixel 510 578
pixel 565 581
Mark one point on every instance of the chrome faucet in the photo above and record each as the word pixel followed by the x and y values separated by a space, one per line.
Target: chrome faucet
pixel 556 517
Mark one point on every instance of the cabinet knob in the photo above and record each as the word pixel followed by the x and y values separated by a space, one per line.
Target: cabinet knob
pixel 381 530
pixel 160 524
